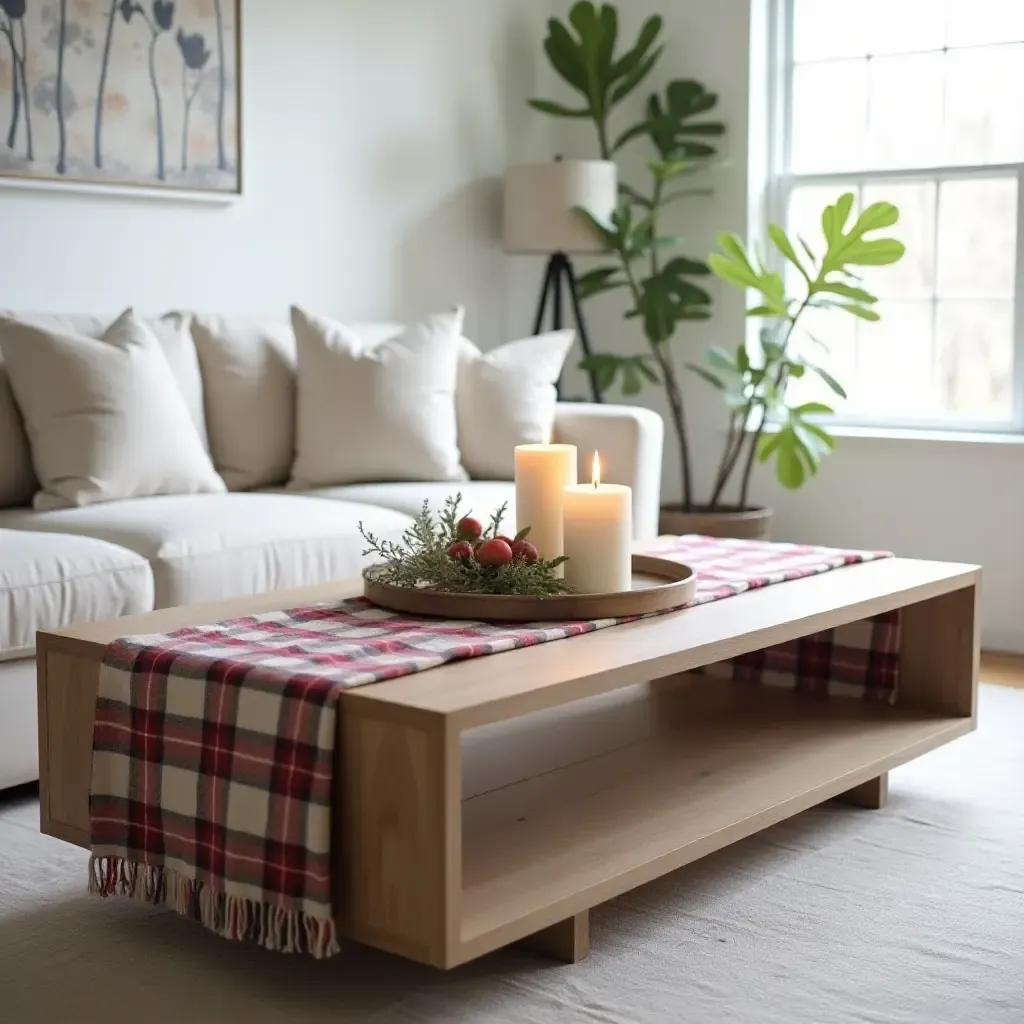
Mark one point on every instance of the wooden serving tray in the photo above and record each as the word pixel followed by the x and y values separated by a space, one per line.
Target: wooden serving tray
pixel 658 586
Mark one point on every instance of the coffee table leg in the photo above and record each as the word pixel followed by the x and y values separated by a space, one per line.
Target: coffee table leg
pixel 567 941
pixel 873 794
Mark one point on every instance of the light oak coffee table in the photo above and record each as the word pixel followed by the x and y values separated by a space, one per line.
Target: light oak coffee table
pixel 496 801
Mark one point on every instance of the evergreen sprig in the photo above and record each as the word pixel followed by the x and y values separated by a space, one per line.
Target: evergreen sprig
pixel 420 559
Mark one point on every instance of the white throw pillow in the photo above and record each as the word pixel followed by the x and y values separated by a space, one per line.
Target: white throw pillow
pixel 373 410
pixel 507 397
pixel 104 416
pixel 249 380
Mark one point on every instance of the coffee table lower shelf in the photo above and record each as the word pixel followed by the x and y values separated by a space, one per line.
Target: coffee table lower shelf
pixel 721 762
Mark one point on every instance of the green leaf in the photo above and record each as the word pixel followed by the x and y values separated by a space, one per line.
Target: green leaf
pixel 827 378
pixel 566 57
pixel 768 445
pixel 595 282
pixel 647 370
pixel 731 271
pixel 557 110
pixel 863 312
pixel 712 379
pixel 603 369
pixel 820 432
pixel 846 290
pixel 635 196
pixel 878 253
pixel 785 246
pixel 742 358
pixel 718 357
pixel 630 378
pixel 762 311
pixel 648 36
pixel 522 534
pixel 812 409
pixel 637 75
pixel 876 216
pixel 682 265
pixel 810 252
pixel 789 469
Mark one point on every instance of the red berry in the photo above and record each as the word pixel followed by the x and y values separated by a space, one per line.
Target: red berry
pixel 494 552
pixel 525 551
pixel 461 551
pixel 468 528
pixel 508 540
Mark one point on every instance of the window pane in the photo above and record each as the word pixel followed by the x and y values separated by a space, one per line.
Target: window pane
pixel 977 238
pixel 817 35
pixel 985 21
pixel 896 26
pixel 914 276
pixel 905 113
pixel 829 115
pixel 838 331
pixel 984 100
pixel 974 370
pixel 894 367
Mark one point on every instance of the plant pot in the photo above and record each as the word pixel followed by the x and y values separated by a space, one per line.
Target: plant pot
pixel 726 521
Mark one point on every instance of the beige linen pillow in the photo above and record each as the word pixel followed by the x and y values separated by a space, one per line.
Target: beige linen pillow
pixel 507 397
pixel 249 379
pixel 376 410
pixel 104 416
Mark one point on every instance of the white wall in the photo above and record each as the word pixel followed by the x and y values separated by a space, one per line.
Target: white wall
pixel 950 500
pixel 375 136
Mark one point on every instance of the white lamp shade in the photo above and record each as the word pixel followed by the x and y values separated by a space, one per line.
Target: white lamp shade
pixel 541 203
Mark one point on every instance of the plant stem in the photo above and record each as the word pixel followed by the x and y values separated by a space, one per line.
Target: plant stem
pixel 12 132
pixel 754 439
pixel 668 370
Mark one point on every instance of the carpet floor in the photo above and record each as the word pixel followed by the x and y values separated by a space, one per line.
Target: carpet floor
pixel 910 915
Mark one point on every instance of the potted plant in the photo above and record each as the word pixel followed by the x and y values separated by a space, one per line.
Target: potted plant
pixel 662 286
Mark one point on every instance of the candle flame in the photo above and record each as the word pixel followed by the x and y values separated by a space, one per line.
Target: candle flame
pixel 597 470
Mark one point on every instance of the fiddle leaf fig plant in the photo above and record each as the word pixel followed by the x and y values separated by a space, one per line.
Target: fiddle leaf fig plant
pixel 755 387
pixel 661 286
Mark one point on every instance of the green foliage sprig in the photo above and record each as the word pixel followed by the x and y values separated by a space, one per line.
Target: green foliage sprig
pixel 755 389
pixel 420 560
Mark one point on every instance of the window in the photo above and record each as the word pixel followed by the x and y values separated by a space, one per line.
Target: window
pixel 920 102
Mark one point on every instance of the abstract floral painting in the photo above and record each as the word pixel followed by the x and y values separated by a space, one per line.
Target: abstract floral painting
pixel 121 92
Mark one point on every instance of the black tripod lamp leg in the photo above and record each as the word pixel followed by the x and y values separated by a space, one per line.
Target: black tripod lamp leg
pixel 545 291
pixel 581 324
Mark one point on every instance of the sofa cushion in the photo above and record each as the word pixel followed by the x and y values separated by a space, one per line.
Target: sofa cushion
pixel 104 417
pixel 52 580
pixel 507 397
pixel 171 330
pixel 211 547
pixel 249 381
pixel 17 479
pixel 375 411
pixel 482 498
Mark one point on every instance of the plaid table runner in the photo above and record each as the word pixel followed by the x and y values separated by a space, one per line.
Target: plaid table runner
pixel 213 749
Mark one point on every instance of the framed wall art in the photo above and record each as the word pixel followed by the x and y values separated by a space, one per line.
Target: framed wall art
pixel 141 95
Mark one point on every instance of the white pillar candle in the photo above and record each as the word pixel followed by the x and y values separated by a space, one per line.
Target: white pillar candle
pixel 543 471
pixel 598 526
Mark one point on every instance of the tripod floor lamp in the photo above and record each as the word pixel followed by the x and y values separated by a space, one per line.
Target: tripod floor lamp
pixel 541 203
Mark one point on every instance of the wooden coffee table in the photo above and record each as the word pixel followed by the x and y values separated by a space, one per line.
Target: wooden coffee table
pixel 496 801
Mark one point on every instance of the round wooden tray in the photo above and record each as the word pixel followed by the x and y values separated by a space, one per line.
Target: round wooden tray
pixel 658 586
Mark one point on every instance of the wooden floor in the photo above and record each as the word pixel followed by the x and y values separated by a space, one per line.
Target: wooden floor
pixel 1002 669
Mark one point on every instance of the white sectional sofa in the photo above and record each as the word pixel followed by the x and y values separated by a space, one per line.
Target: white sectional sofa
pixel 117 558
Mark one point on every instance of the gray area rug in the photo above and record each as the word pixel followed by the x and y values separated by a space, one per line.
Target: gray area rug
pixel 911 914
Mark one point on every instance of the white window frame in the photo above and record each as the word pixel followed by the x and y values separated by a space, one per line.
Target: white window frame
pixel 781 181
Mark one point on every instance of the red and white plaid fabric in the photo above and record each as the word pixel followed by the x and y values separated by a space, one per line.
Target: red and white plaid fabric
pixel 213 749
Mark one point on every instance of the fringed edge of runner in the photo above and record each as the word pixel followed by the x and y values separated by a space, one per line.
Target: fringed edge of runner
pixel 233 917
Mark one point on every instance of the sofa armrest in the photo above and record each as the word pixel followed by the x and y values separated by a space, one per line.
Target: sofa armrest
pixel 630 441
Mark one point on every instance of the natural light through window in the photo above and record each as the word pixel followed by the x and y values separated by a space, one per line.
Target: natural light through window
pixel 920 102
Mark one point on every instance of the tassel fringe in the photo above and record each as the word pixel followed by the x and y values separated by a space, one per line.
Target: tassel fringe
pixel 233 917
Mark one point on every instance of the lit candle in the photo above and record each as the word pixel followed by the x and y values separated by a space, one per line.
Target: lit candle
pixel 543 471
pixel 599 536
